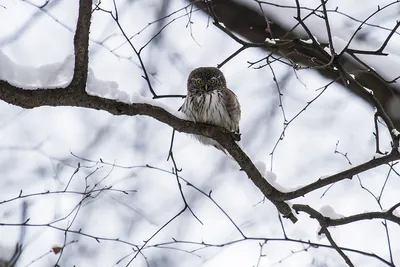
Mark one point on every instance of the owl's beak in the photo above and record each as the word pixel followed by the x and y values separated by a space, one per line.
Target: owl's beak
pixel 206 87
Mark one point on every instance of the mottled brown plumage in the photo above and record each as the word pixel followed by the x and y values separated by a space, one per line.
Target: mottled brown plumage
pixel 210 101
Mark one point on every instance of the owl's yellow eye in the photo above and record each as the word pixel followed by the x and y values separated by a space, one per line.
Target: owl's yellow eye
pixel 199 82
pixel 212 81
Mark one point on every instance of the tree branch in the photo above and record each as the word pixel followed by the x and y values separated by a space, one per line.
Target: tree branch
pixel 346 174
pixel 81 45
pixel 324 229
pixel 387 215
pixel 74 97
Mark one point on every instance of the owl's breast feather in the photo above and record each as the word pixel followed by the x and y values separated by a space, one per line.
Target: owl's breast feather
pixel 208 108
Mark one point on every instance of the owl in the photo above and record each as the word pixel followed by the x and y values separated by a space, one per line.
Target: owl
pixel 208 100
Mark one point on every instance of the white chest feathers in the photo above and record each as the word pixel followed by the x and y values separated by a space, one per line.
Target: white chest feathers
pixel 209 108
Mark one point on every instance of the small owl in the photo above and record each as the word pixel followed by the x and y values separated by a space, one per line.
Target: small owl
pixel 208 100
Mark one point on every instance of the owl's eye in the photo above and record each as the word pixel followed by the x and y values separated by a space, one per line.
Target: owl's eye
pixel 199 82
pixel 212 82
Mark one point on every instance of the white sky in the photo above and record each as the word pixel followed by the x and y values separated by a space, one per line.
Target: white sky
pixel 35 51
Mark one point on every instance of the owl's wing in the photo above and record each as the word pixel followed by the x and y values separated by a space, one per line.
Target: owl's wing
pixel 233 107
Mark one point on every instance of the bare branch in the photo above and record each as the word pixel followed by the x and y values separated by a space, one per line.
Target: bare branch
pixel 347 174
pixel 203 244
pixel 380 50
pixel 324 228
pixel 387 215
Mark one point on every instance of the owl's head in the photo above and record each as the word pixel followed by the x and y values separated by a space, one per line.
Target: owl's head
pixel 206 79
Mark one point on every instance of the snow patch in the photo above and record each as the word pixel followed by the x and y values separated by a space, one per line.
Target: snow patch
pixel 106 89
pixel 328 50
pixel 315 37
pixel 309 41
pixel 261 167
pixel 49 76
pixel 328 211
pixel 270 177
pixel 271 41
pixel 368 90
pixel 110 90
pixel 396 213
pixel 139 99
pixel 377 155
pixel 395 132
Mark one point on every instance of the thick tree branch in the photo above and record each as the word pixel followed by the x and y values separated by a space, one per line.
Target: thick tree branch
pixel 81 45
pixel 365 216
pixel 74 97
pixel 386 215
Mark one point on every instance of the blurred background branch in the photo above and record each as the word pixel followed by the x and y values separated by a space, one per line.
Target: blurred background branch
pixel 258 24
